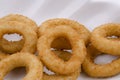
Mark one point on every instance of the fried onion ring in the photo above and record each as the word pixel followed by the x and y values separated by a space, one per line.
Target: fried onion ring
pixel 102 43
pixel 96 70
pixel 62 43
pixel 22 19
pixel 72 76
pixel 29 35
pixel 15 46
pixel 54 63
pixel 65 56
pixel 27 60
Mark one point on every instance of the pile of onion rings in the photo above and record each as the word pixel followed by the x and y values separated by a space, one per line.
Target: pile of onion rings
pixel 19 24
pixel 64 47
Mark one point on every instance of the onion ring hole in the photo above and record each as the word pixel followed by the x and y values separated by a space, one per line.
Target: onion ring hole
pixel 17 73
pixel 104 58
pixel 66 50
pixel 13 37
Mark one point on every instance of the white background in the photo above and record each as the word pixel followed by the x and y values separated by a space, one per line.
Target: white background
pixel 91 13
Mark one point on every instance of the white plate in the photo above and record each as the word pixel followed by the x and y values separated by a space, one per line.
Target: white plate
pixel 91 13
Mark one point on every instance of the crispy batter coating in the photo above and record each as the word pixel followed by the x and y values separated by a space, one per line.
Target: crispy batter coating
pixel 72 76
pixel 11 46
pixel 65 56
pixel 54 63
pixel 3 55
pixel 97 70
pixel 20 18
pixel 102 43
pixel 62 43
pixel 14 46
pixel 22 59
pixel 29 35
